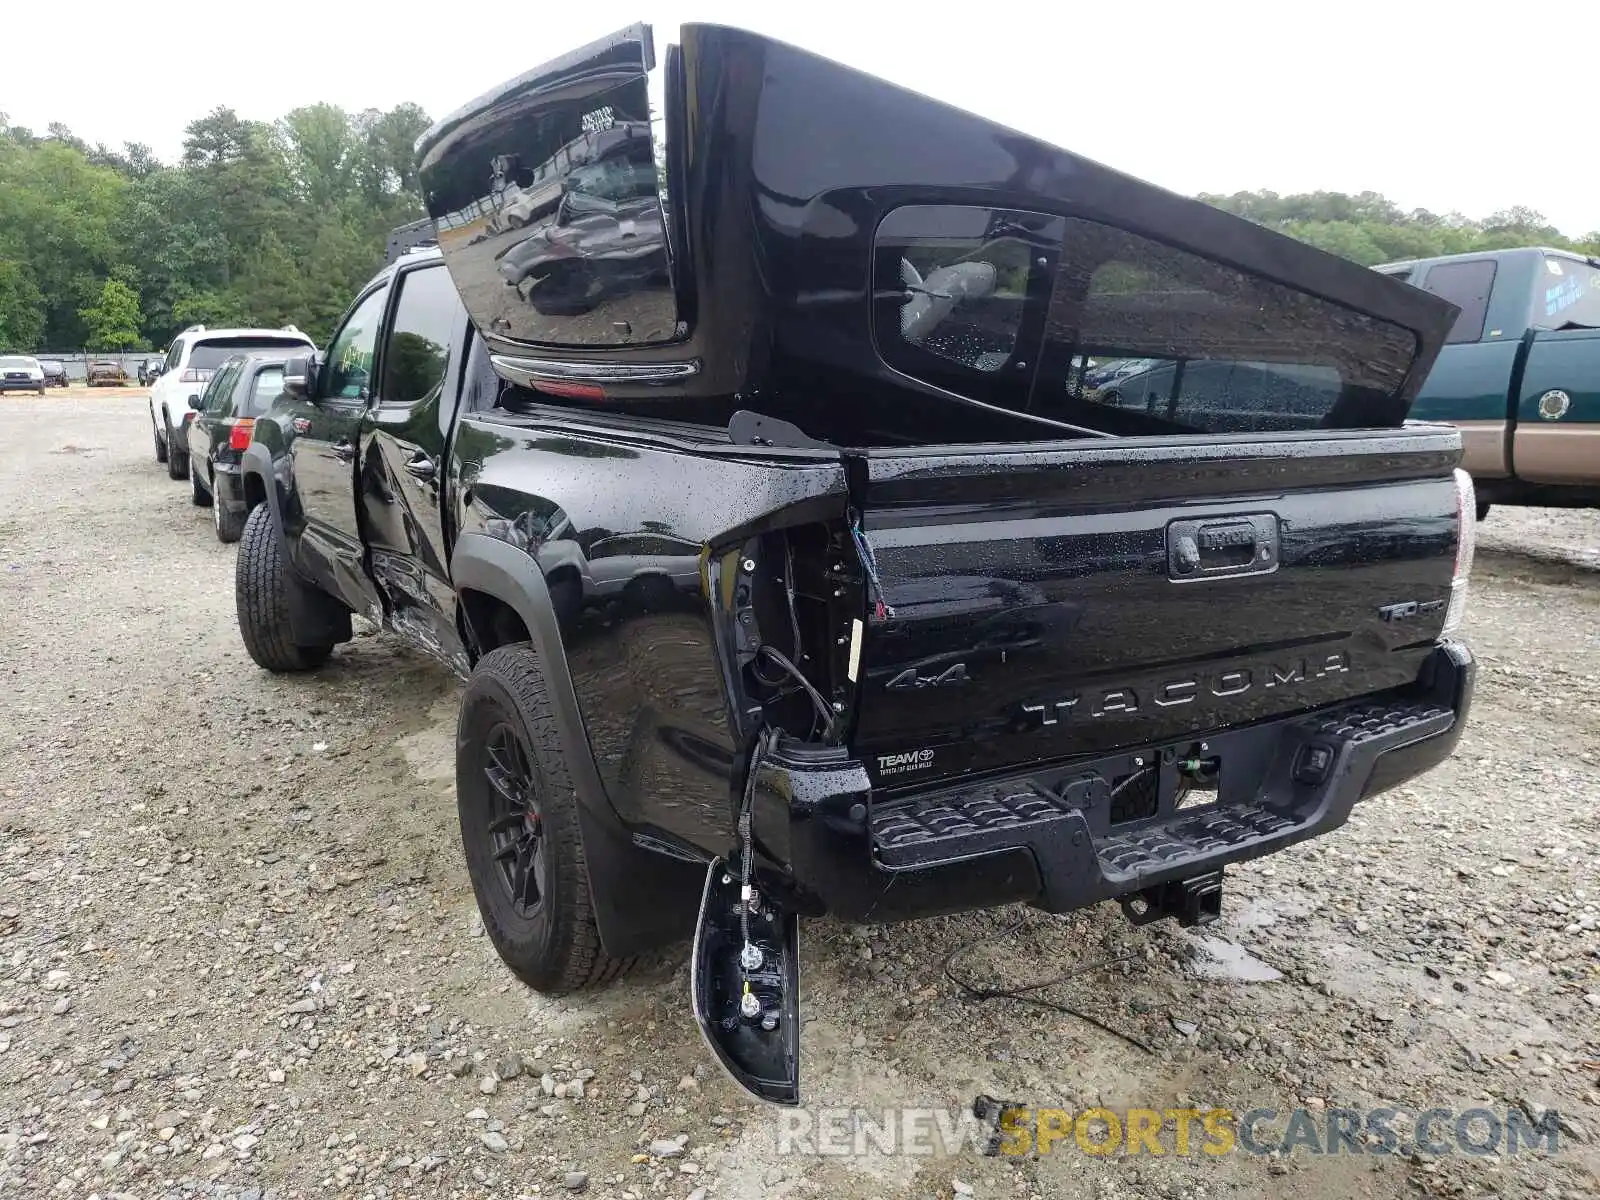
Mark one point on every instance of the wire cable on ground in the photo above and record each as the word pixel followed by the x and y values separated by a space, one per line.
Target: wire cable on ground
pixel 1020 992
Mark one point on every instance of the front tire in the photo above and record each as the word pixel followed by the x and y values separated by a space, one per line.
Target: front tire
pixel 155 436
pixel 519 829
pixel 261 599
pixel 177 460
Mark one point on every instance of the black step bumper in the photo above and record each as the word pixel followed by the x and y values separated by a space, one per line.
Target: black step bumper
pixel 1062 838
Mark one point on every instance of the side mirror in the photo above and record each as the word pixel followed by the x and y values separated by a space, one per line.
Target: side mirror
pixel 194 403
pixel 300 376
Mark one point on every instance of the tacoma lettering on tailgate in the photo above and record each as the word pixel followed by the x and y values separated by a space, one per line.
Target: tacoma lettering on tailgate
pixel 1122 701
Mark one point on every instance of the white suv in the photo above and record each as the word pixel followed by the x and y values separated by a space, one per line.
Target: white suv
pixel 194 355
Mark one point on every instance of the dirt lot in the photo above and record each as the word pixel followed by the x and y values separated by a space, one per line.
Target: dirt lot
pixel 239 956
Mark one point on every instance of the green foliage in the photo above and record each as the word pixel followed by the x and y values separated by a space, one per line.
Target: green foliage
pixel 113 321
pixel 21 308
pixel 257 224
pixel 1371 229
pixel 275 223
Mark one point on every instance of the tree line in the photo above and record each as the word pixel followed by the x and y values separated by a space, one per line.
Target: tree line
pixel 258 223
pixel 1371 229
pixel 275 223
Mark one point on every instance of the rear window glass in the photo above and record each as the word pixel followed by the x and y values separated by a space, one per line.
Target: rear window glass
pixel 1466 285
pixel 264 389
pixel 1223 351
pixel 209 354
pixel 1097 327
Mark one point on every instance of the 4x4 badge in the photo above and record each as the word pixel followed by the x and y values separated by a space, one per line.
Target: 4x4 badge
pixel 908 680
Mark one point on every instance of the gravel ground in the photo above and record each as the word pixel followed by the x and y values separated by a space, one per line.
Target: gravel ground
pixel 239 955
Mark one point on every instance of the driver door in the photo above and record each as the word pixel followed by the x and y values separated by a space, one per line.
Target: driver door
pixel 329 550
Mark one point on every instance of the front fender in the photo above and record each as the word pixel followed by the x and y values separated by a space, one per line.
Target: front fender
pixel 643 899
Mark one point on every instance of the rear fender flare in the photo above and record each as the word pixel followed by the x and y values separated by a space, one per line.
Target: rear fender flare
pixel 643 899
pixel 256 465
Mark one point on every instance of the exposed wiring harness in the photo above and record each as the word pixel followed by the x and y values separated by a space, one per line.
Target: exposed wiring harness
pixel 869 562
pixel 766 740
pixel 819 702
pixel 797 649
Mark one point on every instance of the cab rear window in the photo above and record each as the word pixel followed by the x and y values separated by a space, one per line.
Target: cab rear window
pixel 1097 327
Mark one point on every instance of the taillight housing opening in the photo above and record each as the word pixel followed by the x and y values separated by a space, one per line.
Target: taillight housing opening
pixel 240 433
pixel 195 375
pixel 1466 543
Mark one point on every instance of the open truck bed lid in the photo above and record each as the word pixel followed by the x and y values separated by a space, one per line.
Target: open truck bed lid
pixel 750 263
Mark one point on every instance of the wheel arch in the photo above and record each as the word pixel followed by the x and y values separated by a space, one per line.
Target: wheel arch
pixel 643 899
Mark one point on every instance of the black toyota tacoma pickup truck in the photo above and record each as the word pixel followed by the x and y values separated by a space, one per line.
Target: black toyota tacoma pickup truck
pixel 793 567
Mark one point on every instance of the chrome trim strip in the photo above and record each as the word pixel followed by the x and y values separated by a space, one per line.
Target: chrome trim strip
pixel 530 372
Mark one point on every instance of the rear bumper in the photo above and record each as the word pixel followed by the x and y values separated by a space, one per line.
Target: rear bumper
pixel 1048 837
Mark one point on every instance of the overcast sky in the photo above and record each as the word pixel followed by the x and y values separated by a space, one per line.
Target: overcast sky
pixel 1430 103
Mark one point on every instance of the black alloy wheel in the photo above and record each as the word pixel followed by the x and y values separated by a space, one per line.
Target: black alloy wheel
pixel 519 829
pixel 516 826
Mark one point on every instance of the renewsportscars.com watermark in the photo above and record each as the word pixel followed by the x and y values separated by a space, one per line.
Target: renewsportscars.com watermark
pixel 996 1128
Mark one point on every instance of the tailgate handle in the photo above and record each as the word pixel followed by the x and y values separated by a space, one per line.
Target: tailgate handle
pixel 1222 547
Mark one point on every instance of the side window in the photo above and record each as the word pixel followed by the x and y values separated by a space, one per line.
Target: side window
pixel 174 356
pixel 218 390
pixel 1568 293
pixel 481 389
pixel 264 389
pixel 1466 285
pixel 951 295
pixel 347 370
pixel 426 317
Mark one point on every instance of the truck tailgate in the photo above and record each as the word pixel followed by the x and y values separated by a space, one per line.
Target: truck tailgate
pixel 1046 602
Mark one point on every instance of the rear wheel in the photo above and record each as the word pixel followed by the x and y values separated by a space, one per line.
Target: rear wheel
pixel 519 828
pixel 261 598
pixel 229 524
pixel 198 495
pixel 177 460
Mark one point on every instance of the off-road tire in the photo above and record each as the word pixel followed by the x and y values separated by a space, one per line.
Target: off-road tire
pixel 177 460
pixel 557 948
pixel 198 496
pixel 155 436
pixel 261 598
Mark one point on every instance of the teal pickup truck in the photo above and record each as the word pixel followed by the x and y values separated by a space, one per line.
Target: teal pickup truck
pixel 1520 371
